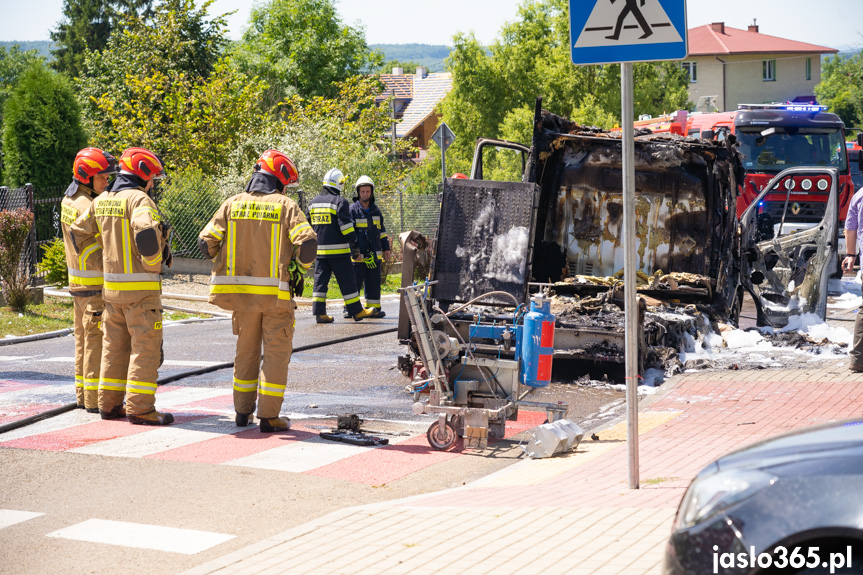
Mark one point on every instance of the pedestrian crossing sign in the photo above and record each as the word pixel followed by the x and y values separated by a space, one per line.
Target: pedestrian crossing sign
pixel 611 31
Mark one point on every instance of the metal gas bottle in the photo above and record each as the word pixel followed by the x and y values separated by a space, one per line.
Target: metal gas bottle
pixel 537 342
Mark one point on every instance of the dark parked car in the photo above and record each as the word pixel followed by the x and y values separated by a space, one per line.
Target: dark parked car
pixel 790 504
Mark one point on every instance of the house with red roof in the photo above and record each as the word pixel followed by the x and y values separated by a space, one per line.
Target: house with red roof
pixel 414 99
pixel 728 66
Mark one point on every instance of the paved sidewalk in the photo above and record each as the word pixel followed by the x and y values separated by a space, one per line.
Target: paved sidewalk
pixel 569 514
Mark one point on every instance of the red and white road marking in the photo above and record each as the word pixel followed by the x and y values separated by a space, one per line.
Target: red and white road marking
pixel 204 432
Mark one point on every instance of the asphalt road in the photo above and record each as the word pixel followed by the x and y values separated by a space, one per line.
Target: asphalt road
pixel 249 503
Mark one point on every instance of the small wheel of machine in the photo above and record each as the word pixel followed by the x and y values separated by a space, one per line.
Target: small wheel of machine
pixel 441 440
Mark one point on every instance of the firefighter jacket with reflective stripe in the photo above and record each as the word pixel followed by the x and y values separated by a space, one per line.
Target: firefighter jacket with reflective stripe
pixel 115 218
pixel 83 262
pixel 252 238
pixel 331 219
pixel 371 232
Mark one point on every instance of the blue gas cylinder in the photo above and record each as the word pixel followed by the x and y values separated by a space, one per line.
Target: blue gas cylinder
pixel 537 342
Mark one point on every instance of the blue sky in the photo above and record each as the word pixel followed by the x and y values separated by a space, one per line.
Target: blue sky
pixel 833 23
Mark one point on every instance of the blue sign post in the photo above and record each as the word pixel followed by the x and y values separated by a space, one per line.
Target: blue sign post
pixel 612 31
pixel 626 31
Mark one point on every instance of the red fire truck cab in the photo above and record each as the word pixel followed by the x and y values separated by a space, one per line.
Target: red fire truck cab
pixel 773 137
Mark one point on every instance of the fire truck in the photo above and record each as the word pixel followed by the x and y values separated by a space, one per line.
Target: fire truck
pixel 774 137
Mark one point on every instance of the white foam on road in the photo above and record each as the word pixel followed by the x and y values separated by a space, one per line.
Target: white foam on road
pixel 846 301
pixel 11 517
pixel 743 339
pixel 812 325
pixel 141 536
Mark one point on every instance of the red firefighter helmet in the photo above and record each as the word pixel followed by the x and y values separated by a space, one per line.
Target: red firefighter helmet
pixel 142 162
pixel 279 165
pixel 92 161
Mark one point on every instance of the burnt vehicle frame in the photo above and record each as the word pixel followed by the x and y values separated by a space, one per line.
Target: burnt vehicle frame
pixel 570 198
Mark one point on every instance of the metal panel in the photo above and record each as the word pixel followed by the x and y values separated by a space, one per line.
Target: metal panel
pixel 673 232
pixel 485 240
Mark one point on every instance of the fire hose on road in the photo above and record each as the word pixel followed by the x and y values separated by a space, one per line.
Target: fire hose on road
pixel 185 374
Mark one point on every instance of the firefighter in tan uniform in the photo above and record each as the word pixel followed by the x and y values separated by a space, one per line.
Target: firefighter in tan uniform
pixel 126 223
pixel 91 170
pixel 260 244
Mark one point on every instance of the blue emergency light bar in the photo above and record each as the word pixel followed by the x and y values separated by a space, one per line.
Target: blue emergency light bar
pixel 805 108
pixel 787 106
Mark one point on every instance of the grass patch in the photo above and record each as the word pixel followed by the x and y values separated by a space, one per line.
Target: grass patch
pixel 392 283
pixel 52 315
pixel 172 315
pixel 658 480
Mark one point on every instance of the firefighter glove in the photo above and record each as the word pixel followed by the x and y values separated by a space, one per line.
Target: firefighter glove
pixel 297 280
pixel 370 261
pixel 355 254
pixel 167 256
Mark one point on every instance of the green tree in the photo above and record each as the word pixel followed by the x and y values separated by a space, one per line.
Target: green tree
pixel 530 58
pixel 590 113
pixel 13 62
pixel 479 99
pixel 346 131
pixel 166 87
pixel 302 47
pixel 41 129
pixel 53 263
pixel 841 87
pixel 86 27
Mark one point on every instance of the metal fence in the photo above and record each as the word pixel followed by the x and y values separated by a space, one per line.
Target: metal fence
pixel 45 205
pixel 190 210
pixel 188 206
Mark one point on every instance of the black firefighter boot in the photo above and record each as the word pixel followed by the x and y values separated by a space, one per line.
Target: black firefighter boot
pixel 243 419
pixel 151 418
pixel 117 412
pixel 275 424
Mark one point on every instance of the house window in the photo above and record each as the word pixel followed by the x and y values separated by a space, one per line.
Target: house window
pixel 808 68
pixel 691 68
pixel 768 68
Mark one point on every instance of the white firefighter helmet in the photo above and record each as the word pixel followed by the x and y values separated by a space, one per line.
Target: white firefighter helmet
pixel 335 179
pixel 364 181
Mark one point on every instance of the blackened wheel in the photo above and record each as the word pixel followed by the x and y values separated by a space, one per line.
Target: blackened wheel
pixel 441 440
